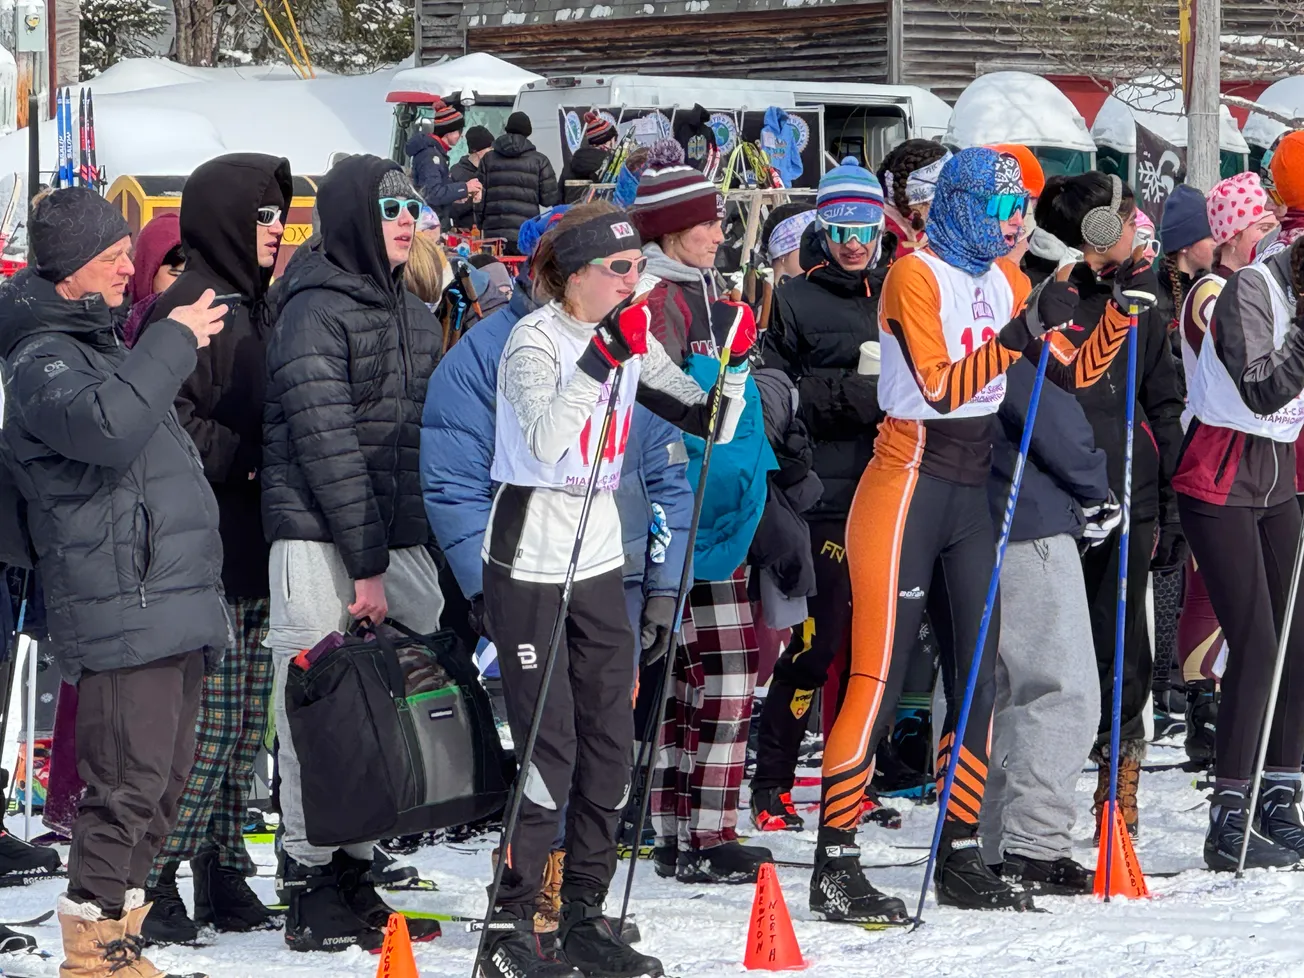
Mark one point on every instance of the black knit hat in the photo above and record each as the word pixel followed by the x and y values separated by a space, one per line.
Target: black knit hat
pixel 447 119
pixel 69 228
pixel 519 123
pixel 478 138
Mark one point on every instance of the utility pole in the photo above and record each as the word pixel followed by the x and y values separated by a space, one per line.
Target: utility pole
pixel 1202 120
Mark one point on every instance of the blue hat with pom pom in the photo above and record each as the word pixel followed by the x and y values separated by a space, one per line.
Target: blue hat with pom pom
pixel 849 194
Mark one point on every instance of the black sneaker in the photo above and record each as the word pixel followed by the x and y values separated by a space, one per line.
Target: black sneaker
pixel 167 921
pixel 773 811
pixel 516 952
pixel 223 899
pixel 587 941
pixel 963 880
pixel 1280 818
pixel 318 918
pixel 18 859
pixel 839 889
pixel 731 862
pixel 665 859
pixel 1222 844
pixel 1058 877
pixel 1201 722
pixel 354 879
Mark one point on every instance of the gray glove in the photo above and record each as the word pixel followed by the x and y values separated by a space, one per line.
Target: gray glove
pixel 658 626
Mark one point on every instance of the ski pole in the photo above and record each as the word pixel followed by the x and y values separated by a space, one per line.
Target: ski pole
pixel 549 665
pixel 11 670
pixel 30 788
pixel 1277 668
pixel 993 589
pixel 652 729
pixel 1120 618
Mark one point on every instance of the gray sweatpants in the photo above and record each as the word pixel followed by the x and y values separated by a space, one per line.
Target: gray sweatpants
pixel 311 594
pixel 1047 702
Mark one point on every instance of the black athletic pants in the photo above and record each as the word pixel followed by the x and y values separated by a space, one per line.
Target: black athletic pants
pixel 1246 557
pixel 1100 571
pixel 585 751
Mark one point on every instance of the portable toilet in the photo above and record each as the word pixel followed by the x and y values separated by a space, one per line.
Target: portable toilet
pixel 1017 107
pixel 1260 132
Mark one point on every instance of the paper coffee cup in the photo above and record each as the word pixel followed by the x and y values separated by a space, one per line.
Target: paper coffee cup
pixel 869 358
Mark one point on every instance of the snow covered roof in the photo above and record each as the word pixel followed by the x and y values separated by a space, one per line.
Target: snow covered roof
pixel 1157 105
pixel 1285 96
pixel 478 72
pixel 134 74
pixel 1016 107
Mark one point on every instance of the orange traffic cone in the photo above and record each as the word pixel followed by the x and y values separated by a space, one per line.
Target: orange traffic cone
pixel 396 959
pixel 771 944
pixel 1125 876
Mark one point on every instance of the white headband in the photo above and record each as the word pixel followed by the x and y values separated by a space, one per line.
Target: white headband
pixel 786 236
pixel 921 185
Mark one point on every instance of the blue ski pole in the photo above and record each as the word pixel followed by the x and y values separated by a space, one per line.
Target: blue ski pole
pixel 992 590
pixel 1120 619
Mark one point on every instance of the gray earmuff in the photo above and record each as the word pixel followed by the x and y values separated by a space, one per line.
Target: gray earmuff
pixel 1102 227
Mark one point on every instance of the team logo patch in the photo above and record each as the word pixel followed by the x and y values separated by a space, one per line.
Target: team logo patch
pixel 801 700
pixel 623 229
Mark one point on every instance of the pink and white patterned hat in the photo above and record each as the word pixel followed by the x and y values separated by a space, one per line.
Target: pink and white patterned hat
pixel 1234 204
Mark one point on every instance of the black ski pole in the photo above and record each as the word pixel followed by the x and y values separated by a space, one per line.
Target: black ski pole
pixel 549 664
pixel 11 670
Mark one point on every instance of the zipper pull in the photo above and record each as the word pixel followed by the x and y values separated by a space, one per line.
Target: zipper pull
pixel 142 595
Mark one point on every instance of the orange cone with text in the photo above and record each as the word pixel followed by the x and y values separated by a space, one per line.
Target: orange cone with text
pixel 771 943
pixel 396 959
pixel 1125 876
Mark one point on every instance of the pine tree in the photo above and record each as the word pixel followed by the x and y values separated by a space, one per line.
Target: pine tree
pixel 115 29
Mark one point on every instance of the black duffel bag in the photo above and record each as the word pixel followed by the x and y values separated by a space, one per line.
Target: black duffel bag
pixel 394 735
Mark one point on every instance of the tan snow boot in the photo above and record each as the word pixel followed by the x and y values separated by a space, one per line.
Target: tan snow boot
pixel 547 913
pixel 95 946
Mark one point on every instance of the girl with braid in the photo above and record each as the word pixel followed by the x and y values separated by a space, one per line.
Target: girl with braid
pixel 908 176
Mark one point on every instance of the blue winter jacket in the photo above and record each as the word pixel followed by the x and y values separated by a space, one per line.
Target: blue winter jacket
pixel 431 174
pixel 779 140
pixel 655 471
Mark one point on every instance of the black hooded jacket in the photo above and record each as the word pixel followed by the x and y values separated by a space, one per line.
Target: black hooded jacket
pixel 220 404
pixel 518 182
pixel 123 521
pixel 695 135
pixel 822 319
pixel 585 167
pixel 347 367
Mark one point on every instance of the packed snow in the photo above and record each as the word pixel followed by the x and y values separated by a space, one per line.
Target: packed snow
pixel 1157 105
pixel 1285 96
pixel 1016 107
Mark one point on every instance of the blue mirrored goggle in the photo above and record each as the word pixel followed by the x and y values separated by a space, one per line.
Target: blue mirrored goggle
pixel 1002 206
pixel 866 234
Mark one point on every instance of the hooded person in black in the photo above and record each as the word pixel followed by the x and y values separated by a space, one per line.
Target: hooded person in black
pixel 232 217
pixel 518 182
pixel 347 368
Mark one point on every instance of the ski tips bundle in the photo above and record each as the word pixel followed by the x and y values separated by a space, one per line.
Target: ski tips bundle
pixel 1124 869
pixel 82 170
pixel 771 942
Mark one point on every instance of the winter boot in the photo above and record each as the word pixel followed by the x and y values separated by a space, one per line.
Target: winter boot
pixel 894 778
pixel 773 811
pixel 1279 811
pixel 665 858
pixel 874 812
pixel 1056 877
pixel 1201 722
pixel 95 946
pixel 730 862
pixel 512 951
pixel 167 921
pixel 1227 821
pixel 589 942
pixel 963 880
pixel 224 901
pixel 1131 754
pixel 31 863
pixel 353 876
pixel 547 913
pixel 318 917
pixel 387 871
pixel 839 890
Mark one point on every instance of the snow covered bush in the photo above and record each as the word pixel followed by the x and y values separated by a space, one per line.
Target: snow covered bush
pixel 115 29
pixel 350 36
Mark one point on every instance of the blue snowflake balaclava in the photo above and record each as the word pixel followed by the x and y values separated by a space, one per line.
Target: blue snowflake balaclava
pixel 959 230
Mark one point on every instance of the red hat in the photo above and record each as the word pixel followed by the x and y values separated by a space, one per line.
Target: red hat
pixel 674 199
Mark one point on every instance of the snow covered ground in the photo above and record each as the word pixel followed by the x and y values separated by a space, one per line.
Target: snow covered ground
pixel 1197 922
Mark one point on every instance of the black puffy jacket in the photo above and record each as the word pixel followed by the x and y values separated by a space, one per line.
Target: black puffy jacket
pixel 822 319
pixel 518 182
pixel 123 520
pixel 221 403
pixel 347 367
pixel 585 167
pixel 461 213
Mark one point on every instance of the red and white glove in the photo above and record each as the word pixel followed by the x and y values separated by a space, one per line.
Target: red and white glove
pixel 733 324
pixel 621 334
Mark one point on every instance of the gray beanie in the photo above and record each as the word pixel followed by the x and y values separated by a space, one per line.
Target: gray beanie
pixel 69 228
pixel 396 184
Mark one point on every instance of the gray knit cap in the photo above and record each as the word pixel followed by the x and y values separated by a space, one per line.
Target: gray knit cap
pixel 69 228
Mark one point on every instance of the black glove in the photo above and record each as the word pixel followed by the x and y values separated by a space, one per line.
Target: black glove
pixel 475 616
pixel 658 627
pixel 1170 549
pixel 621 334
pixel 1051 306
pixel 1132 286
pixel 1101 517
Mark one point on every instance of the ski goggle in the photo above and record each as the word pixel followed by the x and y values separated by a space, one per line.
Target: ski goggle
pixel 1003 206
pixel 621 266
pixel 392 207
pixel 866 234
pixel 267 216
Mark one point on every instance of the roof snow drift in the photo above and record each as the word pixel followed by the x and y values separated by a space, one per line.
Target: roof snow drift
pixel 1157 106
pixel 1285 96
pixel 1016 107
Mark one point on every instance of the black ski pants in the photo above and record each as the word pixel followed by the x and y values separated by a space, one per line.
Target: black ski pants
pixel 1246 557
pixel 585 750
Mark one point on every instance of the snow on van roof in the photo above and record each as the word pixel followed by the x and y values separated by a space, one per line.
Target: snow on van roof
pixel 477 72
pixel 1156 104
pixel 1285 96
pixel 1016 107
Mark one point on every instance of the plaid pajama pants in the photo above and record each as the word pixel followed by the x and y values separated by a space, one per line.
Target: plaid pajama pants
pixel 702 749
pixel 232 722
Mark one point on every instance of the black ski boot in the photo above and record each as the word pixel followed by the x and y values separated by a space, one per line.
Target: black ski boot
pixel 354 879
pixel 731 862
pixel 1056 877
pixel 1279 812
pixel 513 950
pixel 839 889
pixel 963 880
pixel 665 859
pixel 23 863
pixel 167 921
pixel 773 811
pixel 223 899
pixel 318 917
pixel 1222 846
pixel 387 871
pixel 1201 723
pixel 588 941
